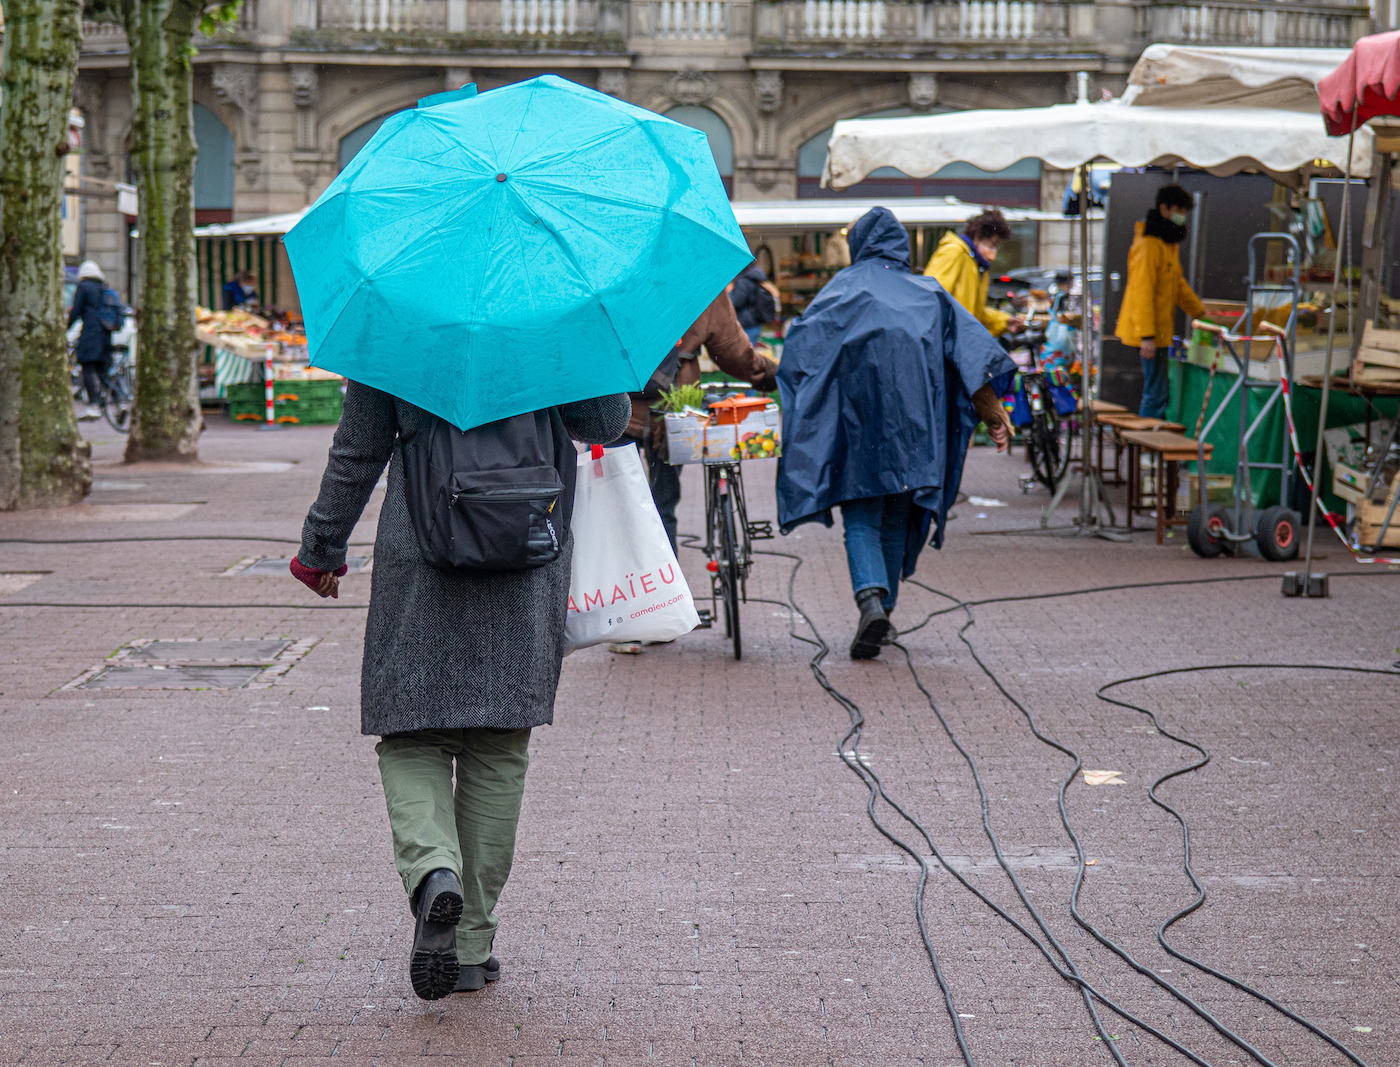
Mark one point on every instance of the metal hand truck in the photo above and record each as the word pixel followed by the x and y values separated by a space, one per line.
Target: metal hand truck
pixel 1213 528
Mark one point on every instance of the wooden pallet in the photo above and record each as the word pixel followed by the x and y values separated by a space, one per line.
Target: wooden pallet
pixel 1378 359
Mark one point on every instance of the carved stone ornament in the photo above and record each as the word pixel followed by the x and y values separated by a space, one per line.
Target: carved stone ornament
pixel 768 89
pixel 923 90
pixel 613 82
pixel 690 87
pixel 306 85
pixel 237 86
pixel 250 168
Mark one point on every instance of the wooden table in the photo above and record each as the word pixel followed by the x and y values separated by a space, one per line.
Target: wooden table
pixel 1119 421
pixel 1170 450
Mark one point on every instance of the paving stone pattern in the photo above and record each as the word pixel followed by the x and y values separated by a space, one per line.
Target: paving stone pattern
pixel 206 877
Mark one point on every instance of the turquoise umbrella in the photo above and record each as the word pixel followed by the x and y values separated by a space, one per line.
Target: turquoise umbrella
pixel 537 244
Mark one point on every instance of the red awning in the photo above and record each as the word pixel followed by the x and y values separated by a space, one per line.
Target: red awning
pixel 1370 74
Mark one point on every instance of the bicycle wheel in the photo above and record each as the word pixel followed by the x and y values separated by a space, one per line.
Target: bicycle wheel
pixel 729 550
pixel 1043 444
pixel 116 403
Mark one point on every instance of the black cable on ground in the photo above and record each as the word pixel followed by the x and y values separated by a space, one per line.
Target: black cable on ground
pixel 876 787
pixel 173 537
pixel 209 607
pixel 1064 817
pixel 1186 833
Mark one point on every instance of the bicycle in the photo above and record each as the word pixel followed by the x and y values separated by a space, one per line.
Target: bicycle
pixel 118 388
pixel 729 535
pixel 1048 435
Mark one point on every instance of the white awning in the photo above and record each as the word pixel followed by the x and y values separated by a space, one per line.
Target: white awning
pixel 267 226
pixel 1169 75
pixel 839 211
pixel 831 213
pixel 1287 145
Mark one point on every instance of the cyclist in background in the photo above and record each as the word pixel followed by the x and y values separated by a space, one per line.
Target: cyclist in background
pixel 94 348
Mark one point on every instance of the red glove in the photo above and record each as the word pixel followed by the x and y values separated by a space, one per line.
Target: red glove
pixel 316 580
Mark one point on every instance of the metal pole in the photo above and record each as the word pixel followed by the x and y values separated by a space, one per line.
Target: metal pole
pixel 1087 500
pixel 1343 230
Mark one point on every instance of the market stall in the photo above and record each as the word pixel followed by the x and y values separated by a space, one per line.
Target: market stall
pixel 1291 147
pixel 262 369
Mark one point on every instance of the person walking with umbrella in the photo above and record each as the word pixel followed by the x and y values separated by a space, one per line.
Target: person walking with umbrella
pixel 493 275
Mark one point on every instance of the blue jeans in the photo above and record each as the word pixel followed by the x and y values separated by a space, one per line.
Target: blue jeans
pixel 753 332
pixel 1155 386
pixel 876 531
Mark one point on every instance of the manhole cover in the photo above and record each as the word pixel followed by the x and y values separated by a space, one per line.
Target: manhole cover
pixel 216 663
pixel 153 676
pixel 211 651
pixel 278 565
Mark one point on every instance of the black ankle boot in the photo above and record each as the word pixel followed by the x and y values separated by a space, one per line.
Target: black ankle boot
pixel 437 907
pixel 874 624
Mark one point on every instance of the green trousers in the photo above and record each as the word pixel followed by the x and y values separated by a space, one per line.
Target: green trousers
pixel 469 829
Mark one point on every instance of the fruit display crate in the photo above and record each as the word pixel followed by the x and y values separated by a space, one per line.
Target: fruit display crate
pixel 306 403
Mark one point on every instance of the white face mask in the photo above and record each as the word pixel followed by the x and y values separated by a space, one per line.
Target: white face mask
pixel 1178 217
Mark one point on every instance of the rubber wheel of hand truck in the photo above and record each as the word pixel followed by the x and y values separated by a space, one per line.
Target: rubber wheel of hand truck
pixel 1276 533
pixel 1203 530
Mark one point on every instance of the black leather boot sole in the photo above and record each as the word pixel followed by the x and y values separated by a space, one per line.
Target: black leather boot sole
pixel 873 627
pixel 434 968
pixel 476 976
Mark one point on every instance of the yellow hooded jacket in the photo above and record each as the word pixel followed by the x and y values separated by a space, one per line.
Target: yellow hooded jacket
pixel 1155 287
pixel 952 264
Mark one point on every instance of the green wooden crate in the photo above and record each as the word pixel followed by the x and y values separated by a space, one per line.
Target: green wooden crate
pixel 304 403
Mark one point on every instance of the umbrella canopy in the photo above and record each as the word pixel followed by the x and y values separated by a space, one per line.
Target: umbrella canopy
pixel 1369 77
pixel 1182 75
pixel 1288 145
pixel 542 243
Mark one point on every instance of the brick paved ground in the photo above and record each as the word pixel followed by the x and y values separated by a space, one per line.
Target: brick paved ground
pixel 206 876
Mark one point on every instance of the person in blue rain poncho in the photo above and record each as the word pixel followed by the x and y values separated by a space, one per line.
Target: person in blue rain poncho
pixel 883 380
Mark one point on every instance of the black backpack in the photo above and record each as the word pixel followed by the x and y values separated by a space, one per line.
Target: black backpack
pixel 494 498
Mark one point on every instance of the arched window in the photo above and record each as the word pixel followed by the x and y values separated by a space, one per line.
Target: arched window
pixel 213 168
pixel 356 139
pixel 721 141
pixel 1016 186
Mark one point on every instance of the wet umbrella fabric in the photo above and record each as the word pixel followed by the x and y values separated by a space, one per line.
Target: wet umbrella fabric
pixel 488 255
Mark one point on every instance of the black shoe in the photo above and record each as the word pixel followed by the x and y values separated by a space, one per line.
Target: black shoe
pixel 474 977
pixel 874 625
pixel 438 907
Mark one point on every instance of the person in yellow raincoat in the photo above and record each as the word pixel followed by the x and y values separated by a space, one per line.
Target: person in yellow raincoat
pixel 962 264
pixel 1155 289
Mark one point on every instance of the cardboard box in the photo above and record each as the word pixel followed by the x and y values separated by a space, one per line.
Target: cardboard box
pixel 757 436
pixel 1220 489
pixel 685 437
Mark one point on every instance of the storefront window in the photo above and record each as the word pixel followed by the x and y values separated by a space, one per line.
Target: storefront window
pixel 213 169
pixel 721 141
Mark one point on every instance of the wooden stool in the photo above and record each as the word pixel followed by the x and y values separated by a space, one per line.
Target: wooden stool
pixel 1170 449
pixel 1118 422
pixel 1101 408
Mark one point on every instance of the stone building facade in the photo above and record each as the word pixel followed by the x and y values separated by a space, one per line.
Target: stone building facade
pixel 286 96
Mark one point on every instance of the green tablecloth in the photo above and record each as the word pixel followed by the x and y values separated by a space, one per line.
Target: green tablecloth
pixel 1188 388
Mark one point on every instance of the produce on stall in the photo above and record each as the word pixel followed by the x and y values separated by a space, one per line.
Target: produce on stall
pixel 245 346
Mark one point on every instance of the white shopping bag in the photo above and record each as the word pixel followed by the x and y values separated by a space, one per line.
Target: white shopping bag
pixel 626 583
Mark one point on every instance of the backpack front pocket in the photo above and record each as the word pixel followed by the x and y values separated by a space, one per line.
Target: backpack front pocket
pixel 505 519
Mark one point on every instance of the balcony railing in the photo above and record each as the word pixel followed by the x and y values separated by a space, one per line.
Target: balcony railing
pixel 1253 24
pixel 860 21
pixel 691 20
pixel 475 18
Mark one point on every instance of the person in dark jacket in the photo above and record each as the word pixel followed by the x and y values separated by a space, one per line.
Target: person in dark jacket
pixel 751 299
pixel 240 290
pixel 719 331
pixel 883 379
pixel 459 666
pixel 94 348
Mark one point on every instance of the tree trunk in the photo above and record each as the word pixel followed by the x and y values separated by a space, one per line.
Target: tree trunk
pixel 43 463
pixel 165 420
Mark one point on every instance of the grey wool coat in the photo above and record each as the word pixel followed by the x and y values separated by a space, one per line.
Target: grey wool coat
pixel 443 649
